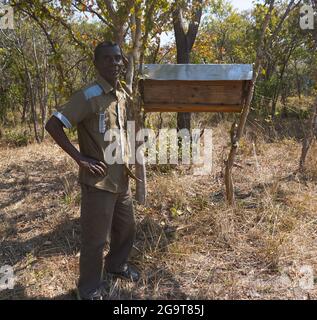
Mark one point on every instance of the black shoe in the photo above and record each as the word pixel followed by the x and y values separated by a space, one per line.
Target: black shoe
pixel 94 295
pixel 127 273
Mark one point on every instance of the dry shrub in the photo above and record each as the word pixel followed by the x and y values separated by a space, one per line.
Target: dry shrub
pixel 151 236
pixel 296 104
pixel 168 192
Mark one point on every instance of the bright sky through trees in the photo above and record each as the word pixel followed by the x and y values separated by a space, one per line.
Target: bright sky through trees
pixel 242 4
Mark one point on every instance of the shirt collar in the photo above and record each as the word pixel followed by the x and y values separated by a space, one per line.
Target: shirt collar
pixel 106 86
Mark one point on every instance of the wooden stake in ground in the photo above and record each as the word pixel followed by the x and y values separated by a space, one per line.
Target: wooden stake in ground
pixel 308 139
pixel 235 138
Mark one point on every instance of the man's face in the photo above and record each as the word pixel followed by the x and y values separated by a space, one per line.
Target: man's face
pixel 109 63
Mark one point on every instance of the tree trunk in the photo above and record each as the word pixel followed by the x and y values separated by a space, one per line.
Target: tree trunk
pixel 33 108
pixel 183 57
pixel 134 59
pixel 32 98
pixel 25 107
pixel 278 86
pixel 184 44
pixel 235 137
pixel 140 171
pixel 43 104
pixel 308 139
pixel 298 84
pixel 41 76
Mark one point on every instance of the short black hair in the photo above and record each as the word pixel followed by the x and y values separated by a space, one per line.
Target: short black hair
pixel 101 45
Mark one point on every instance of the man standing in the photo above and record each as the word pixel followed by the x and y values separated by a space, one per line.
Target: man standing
pixel 106 204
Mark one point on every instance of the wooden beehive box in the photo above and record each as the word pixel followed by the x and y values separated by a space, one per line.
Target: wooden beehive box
pixel 195 87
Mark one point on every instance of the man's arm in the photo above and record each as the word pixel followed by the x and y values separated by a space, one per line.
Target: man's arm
pixel 56 129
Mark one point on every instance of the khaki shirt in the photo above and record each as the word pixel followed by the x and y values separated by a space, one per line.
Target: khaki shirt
pixel 95 109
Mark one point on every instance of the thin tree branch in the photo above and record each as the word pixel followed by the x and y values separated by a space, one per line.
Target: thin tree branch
pixel 91 10
pixel 111 10
pixel 194 24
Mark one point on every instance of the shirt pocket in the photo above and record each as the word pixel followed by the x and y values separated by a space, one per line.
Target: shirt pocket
pixel 100 120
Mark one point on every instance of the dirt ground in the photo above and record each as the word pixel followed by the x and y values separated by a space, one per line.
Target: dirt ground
pixel 190 244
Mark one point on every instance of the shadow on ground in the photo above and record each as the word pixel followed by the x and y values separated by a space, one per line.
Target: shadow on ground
pixel 64 240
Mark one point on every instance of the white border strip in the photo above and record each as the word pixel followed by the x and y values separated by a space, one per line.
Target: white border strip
pixel 62 118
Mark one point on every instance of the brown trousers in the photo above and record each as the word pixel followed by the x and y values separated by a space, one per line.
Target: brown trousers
pixel 105 217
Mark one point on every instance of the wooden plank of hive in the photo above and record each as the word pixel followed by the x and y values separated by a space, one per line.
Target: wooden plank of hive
pixel 193 92
pixel 168 107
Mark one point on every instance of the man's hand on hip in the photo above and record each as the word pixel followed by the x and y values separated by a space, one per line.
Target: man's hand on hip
pixel 93 166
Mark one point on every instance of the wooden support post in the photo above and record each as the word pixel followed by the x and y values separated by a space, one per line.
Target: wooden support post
pixel 235 138
pixel 308 139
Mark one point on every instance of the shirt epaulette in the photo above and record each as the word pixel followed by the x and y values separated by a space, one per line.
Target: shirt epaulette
pixel 93 91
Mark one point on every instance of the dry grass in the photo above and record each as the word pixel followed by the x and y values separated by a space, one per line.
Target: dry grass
pixel 189 244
